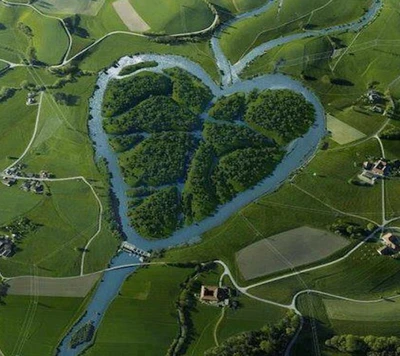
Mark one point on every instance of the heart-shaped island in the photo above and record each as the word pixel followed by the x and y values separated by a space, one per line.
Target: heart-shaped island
pixel 185 151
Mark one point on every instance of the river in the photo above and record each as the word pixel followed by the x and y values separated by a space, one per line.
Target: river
pixel 298 153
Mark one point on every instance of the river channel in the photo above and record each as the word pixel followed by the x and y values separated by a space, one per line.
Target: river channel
pixel 299 152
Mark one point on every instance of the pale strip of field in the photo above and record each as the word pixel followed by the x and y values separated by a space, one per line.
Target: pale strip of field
pixel 287 250
pixel 342 133
pixel 53 287
pixel 129 16
pixel 346 310
pixel 70 7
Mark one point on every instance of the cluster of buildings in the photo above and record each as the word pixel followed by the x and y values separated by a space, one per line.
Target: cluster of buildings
pixel 376 100
pixel 373 171
pixel 213 295
pixel 391 245
pixel 7 246
pixel 33 185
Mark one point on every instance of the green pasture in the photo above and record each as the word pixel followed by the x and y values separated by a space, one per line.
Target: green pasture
pixel 31 326
pixel 392 192
pixel 172 17
pixel 237 6
pixel 364 275
pixel 328 178
pixel 291 18
pixel 49 37
pixel 143 317
pixel 70 7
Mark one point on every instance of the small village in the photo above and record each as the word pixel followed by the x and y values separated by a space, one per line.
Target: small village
pixel 32 182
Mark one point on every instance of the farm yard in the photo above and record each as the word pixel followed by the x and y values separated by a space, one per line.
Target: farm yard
pixel 287 250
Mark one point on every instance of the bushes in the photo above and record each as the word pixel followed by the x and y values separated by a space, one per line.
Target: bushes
pixel 121 95
pixel 229 108
pixel 156 114
pixel 189 91
pixel 283 114
pixel 160 159
pixel 157 215
pixel 392 133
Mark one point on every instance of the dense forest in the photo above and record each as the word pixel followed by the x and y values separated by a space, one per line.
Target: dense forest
pixel 283 114
pixel 156 129
pixel 229 108
pixel 121 95
pixel 269 341
pixel 158 215
pixel 135 67
pixel 156 114
pixel 189 91
pixel 159 159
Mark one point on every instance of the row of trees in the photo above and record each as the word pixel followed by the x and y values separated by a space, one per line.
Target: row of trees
pixel 156 114
pixel 270 340
pixel 158 215
pixel 365 345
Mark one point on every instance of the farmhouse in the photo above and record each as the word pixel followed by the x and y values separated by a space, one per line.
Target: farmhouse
pixel 391 244
pixel 7 181
pixel 214 295
pixel 367 177
pixel 373 170
pixel 380 168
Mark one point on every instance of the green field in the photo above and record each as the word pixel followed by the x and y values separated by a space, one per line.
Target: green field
pixel 292 18
pixel 14 43
pixel 148 297
pixel 171 17
pixel 238 6
pixel 35 326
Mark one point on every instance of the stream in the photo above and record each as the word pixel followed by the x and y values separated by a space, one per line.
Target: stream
pixel 299 152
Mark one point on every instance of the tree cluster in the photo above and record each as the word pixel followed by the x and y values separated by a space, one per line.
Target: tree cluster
pixel 365 345
pixel 123 143
pixel 229 108
pixel 156 114
pixel 189 91
pixel 159 159
pixel 135 67
pixel 282 113
pixel 392 133
pixel 121 95
pixel 158 215
pixel 269 341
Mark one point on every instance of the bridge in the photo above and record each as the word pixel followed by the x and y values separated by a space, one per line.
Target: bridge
pixel 128 247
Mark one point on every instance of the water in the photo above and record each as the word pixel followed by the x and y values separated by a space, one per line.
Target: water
pixel 298 152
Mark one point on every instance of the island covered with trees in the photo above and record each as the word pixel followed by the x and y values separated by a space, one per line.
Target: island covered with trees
pixel 183 154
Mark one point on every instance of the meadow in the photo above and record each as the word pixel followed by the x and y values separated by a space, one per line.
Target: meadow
pixel 35 325
pixel 293 17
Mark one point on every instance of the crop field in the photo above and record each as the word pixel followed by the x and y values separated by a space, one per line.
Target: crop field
pixel 129 16
pixel 15 42
pixel 291 18
pixel 35 324
pixel 70 7
pixel 343 133
pixel 359 276
pixel 287 250
pixel 52 287
pixel 173 17
pixel 148 297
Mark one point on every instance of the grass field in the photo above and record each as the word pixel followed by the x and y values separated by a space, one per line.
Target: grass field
pixel 143 318
pixel 365 275
pixel 174 16
pixel 333 317
pixel 70 7
pixel 29 328
pixel 342 133
pixel 238 6
pixel 292 17
pixel 14 43
pixel 286 209
pixel 289 249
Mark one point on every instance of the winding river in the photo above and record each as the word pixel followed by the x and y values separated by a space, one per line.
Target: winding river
pixel 299 152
